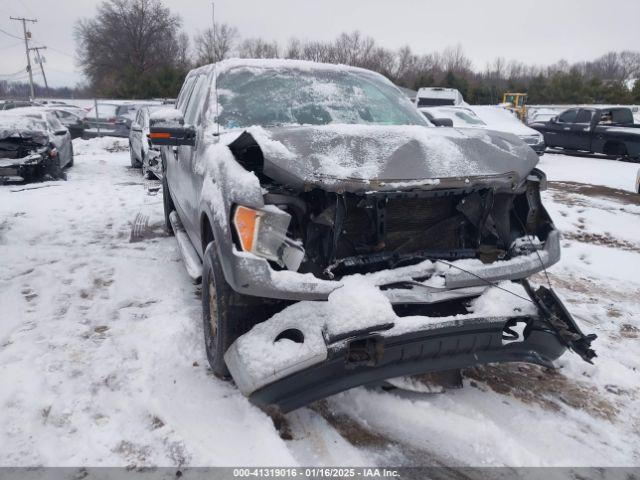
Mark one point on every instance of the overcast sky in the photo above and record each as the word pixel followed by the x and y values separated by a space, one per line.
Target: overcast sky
pixel 532 31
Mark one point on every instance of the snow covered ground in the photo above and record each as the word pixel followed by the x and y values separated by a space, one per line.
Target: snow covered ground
pixel 102 359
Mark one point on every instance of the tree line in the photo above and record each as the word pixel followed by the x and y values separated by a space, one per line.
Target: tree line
pixel 138 49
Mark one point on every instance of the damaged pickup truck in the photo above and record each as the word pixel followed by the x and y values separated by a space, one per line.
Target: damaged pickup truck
pixel 288 181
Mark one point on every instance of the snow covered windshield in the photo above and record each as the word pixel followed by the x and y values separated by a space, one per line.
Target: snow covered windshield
pixel 273 97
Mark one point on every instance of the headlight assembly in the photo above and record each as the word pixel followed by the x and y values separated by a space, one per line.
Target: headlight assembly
pixel 264 233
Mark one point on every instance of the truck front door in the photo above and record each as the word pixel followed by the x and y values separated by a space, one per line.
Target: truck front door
pixel 581 130
pixel 558 132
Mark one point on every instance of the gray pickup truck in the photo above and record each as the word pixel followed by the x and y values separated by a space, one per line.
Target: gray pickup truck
pixel 609 131
pixel 288 180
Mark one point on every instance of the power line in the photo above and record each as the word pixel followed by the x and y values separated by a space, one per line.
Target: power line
pixel 10 34
pixel 59 51
pixel 10 46
pixel 21 71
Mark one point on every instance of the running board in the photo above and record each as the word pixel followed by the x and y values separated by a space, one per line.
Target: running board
pixel 189 255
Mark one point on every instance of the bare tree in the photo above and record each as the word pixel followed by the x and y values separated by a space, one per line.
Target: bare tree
pixel 293 49
pixel 258 48
pixel 210 49
pixel 454 60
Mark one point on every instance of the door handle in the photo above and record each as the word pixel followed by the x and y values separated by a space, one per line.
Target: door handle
pixel 567 128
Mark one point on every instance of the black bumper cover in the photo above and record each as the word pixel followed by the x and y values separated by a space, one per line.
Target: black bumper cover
pixel 371 357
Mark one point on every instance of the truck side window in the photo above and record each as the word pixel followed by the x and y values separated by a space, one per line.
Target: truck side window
pixel 184 93
pixel 584 116
pixel 197 100
pixel 568 117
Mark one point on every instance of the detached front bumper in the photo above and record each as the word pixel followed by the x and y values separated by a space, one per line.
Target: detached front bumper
pixel 323 364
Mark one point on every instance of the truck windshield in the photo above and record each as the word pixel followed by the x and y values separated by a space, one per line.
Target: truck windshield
pixel 278 96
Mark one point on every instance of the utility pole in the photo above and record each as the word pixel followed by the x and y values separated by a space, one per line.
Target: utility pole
pixel 40 60
pixel 27 35
pixel 213 22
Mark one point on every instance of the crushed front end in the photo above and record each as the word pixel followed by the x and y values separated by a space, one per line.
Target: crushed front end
pixel 435 250
pixel 25 156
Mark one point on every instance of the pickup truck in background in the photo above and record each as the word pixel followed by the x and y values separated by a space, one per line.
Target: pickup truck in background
pixel 610 131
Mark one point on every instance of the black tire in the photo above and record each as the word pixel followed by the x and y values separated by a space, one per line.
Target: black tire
pixel 226 314
pixel 167 204
pixel 616 149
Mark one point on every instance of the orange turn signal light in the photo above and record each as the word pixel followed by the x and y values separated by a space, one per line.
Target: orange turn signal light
pixel 245 220
pixel 160 135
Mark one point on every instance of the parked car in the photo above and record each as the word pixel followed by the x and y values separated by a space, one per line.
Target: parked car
pixel 70 118
pixel 143 154
pixel 465 117
pixel 609 131
pixel 106 121
pixel 503 120
pixel 437 96
pixel 114 118
pixel 289 177
pixel 462 117
pixel 11 104
pixel 33 144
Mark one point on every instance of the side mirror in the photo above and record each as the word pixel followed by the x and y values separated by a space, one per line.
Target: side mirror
pixel 553 120
pixel 442 122
pixel 172 136
pixel 166 127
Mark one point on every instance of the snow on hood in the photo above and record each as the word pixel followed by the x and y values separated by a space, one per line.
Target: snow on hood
pixel 357 157
pixel 16 126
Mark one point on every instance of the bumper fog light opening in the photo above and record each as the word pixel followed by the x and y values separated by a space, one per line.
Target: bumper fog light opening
pixel 292 334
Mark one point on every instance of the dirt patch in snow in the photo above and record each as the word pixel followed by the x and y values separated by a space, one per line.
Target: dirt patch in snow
pixel 349 429
pixel 561 191
pixel 598 239
pixel 629 331
pixel 548 388
pixel 595 290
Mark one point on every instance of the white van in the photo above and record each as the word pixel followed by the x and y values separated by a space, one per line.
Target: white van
pixel 438 96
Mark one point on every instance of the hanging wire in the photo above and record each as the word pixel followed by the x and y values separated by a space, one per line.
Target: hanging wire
pixel 488 282
pixel 11 35
pixel 544 268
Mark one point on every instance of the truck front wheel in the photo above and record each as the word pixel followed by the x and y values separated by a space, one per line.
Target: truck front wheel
pixel 226 314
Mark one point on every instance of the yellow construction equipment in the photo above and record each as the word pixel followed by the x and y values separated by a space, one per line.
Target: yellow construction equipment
pixel 516 102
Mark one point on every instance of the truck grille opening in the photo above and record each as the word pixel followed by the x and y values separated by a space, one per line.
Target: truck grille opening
pixel 402 224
